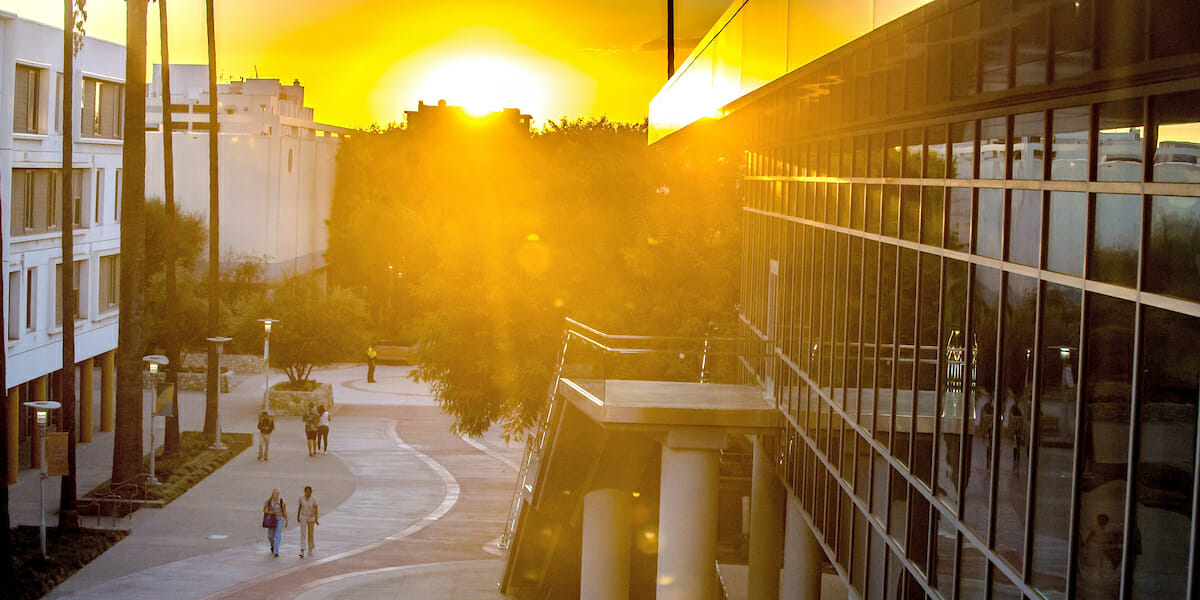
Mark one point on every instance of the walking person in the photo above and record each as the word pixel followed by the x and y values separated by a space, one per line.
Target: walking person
pixel 308 517
pixel 275 520
pixel 310 428
pixel 371 356
pixel 323 429
pixel 266 424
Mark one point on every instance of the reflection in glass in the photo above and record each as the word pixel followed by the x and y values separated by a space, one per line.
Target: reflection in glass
pixel 1031 41
pixel 875 156
pixel 1020 316
pixel 1071 35
pixel 1002 587
pixel 870 304
pixel 1115 233
pixel 993 47
pixel 894 149
pixel 962 147
pixel 993 137
pixel 989 222
pixel 891 210
pixel 1100 517
pixel 981 404
pixel 941 571
pixel 1029 146
pixel 1059 358
pixel 1177 129
pixel 874 207
pixel 906 341
pixel 1025 227
pixel 935 154
pixel 1065 232
pixel 887 347
pixel 1173 256
pixel 1069 154
pixel 958 226
pixel 912 153
pixel 860 156
pixel 972 577
pixel 858 206
pixel 964 51
pixel 910 213
pixel 927 365
pixel 956 380
pixel 931 216
pixel 1120 139
pixel 1162 513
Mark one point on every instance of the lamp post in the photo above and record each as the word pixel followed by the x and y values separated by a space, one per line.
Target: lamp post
pixel 220 343
pixel 154 361
pixel 267 360
pixel 43 408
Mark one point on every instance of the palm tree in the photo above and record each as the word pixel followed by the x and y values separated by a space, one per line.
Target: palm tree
pixel 67 518
pixel 171 439
pixel 127 443
pixel 214 256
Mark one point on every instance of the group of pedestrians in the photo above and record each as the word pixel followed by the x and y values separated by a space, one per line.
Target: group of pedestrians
pixel 275 520
pixel 275 513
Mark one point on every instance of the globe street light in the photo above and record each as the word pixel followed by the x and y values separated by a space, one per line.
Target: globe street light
pixel 154 361
pixel 43 408
pixel 267 360
pixel 220 343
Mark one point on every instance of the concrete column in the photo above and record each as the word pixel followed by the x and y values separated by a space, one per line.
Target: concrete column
pixel 607 531
pixel 801 556
pixel 86 410
pixel 687 517
pixel 13 406
pixel 767 498
pixel 108 390
pixel 39 388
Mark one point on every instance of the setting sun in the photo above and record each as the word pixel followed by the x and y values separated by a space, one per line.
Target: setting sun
pixel 483 84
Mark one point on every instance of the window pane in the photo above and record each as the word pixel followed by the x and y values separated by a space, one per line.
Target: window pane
pixel 1115 233
pixel 1025 227
pixel 1065 232
pixel 935 152
pixel 874 207
pixel 993 135
pixel 1120 138
pixel 910 213
pixel 989 222
pixel 912 153
pixel 1029 147
pixel 1173 256
pixel 1031 41
pixel 955 380
pixel 1061 313
pixel 962 141
pixel 985 312
pixel 1117 41
pixel 972 578
pixel 994 46
pixel 1069 156
pixel 1020 316
pixel 1177 127
pixel 1100 520
pixel 959 215
pixel 894 149
pixel 1167 433
pixel 1071 24
pixel 964 51
pixel 932 210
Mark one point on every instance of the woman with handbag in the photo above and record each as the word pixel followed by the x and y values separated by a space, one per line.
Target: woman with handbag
pixel 274 520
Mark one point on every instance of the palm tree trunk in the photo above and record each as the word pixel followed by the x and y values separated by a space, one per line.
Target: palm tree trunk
pixel 171 439
pixel 67 518
pixel 127 443
pixel 214 255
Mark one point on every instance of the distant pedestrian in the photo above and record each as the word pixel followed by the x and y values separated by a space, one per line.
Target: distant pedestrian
pixel 310 428
pixel 266 424
pixel 275 520
pixel 323 429
pixel 371 356
pixel 307 516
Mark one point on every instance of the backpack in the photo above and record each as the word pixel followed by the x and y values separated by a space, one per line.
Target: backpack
pixel 266 424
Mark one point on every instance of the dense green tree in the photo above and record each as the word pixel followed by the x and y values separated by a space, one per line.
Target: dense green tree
pixel 477 244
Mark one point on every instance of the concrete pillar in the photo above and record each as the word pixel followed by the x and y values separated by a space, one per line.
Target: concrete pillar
pixel 607 531
pixel 13 406
pixel 40 388
pixel 86 410
pixel 767 498
pixel 801 556
pixel 687 516
pixel 35 435
pixel 108 390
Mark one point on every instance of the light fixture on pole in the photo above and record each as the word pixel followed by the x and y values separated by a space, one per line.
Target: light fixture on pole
pixel 154 361
pixel 267 360
pixel 220 343
pixel 43 408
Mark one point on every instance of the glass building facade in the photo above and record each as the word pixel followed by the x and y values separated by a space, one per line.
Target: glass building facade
pixel 973 236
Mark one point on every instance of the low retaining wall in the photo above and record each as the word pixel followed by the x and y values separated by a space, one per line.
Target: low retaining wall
pixel 195 382
pixel 238 363
pixel 294 403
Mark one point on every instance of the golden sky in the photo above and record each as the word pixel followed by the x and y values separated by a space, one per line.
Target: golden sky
pixel 367 61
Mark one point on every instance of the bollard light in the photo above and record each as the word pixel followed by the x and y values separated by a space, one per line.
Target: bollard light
pixel 43 408
pixel 153 361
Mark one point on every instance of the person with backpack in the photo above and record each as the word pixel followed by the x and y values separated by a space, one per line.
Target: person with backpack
pixel 266 424
pixel 310 428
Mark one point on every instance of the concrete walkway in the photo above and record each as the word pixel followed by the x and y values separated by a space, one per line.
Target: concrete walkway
pixel 407 509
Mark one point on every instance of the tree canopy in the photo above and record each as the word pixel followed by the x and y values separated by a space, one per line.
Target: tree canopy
pixel 474 246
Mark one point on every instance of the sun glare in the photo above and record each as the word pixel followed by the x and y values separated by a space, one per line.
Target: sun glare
pixel 483 84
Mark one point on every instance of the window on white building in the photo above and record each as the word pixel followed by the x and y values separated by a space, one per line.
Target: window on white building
pixel 110 282
pixel 31 299
pixel 27 88
pixel 103 102
pixel 14 305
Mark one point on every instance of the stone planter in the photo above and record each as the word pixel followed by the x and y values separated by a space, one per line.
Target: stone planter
pixel 294 403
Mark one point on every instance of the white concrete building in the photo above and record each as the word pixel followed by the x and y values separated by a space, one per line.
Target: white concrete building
pixel 277 166
pixel 31 84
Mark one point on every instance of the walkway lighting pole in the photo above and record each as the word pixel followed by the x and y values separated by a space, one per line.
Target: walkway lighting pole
pixel 43 408
pixel 219 343
pixel 154 361
pixel 267 360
